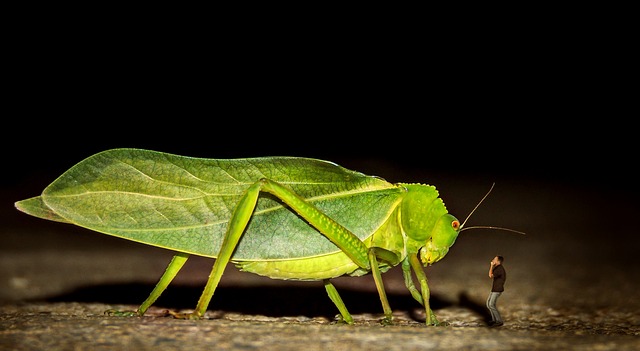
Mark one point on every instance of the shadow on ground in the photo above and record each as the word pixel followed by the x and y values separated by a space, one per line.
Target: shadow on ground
pixel 270 301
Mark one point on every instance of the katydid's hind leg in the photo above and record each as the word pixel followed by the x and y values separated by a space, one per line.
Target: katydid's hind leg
pixel 237 224
pixel 172 270
pixel 335 297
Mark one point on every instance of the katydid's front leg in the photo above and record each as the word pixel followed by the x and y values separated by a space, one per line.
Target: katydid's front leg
pixel 408 281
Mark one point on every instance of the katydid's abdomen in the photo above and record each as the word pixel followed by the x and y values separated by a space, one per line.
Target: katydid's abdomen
pixel 312 268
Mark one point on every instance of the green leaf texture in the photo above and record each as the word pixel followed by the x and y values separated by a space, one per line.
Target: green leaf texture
pixel 185 203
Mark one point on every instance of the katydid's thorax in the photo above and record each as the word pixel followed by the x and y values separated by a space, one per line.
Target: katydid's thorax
pixel 420 210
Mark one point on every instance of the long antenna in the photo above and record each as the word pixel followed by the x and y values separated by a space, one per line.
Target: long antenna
pixel 478 205
pixel 492 227
pixel 486 226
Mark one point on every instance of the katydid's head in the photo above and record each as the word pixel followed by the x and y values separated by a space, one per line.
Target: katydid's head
pixel 445 233
pixel 442 238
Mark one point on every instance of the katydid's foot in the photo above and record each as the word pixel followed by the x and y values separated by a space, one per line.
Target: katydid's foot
pixel 117 313
pixel 340 319
pixel 191 316
pixel 387 320
pixel 436 323
pixel 433 321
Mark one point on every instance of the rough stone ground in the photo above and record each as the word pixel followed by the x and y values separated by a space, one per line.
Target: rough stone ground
pixel 572 284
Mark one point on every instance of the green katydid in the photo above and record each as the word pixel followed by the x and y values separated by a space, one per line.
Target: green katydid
pixel 281 217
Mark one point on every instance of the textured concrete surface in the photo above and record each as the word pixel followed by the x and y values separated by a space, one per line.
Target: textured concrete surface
pixel 572 284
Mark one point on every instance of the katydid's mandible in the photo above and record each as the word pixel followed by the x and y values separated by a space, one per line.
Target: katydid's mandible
pixel 281 217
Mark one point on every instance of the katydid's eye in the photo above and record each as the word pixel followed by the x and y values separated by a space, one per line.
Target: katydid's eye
pixel 455 225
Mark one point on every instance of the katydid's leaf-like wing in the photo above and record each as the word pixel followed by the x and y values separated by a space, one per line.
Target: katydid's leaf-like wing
pixel 185 203
pixel 36 207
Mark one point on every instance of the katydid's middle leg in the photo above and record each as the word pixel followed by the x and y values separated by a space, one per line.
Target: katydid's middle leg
pixel 373 253
pixel 388 256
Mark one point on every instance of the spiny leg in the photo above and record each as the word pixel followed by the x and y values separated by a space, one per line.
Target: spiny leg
pixel 170 272
pixel 335 297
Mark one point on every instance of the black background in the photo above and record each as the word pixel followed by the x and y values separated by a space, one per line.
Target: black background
pixel 556 112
